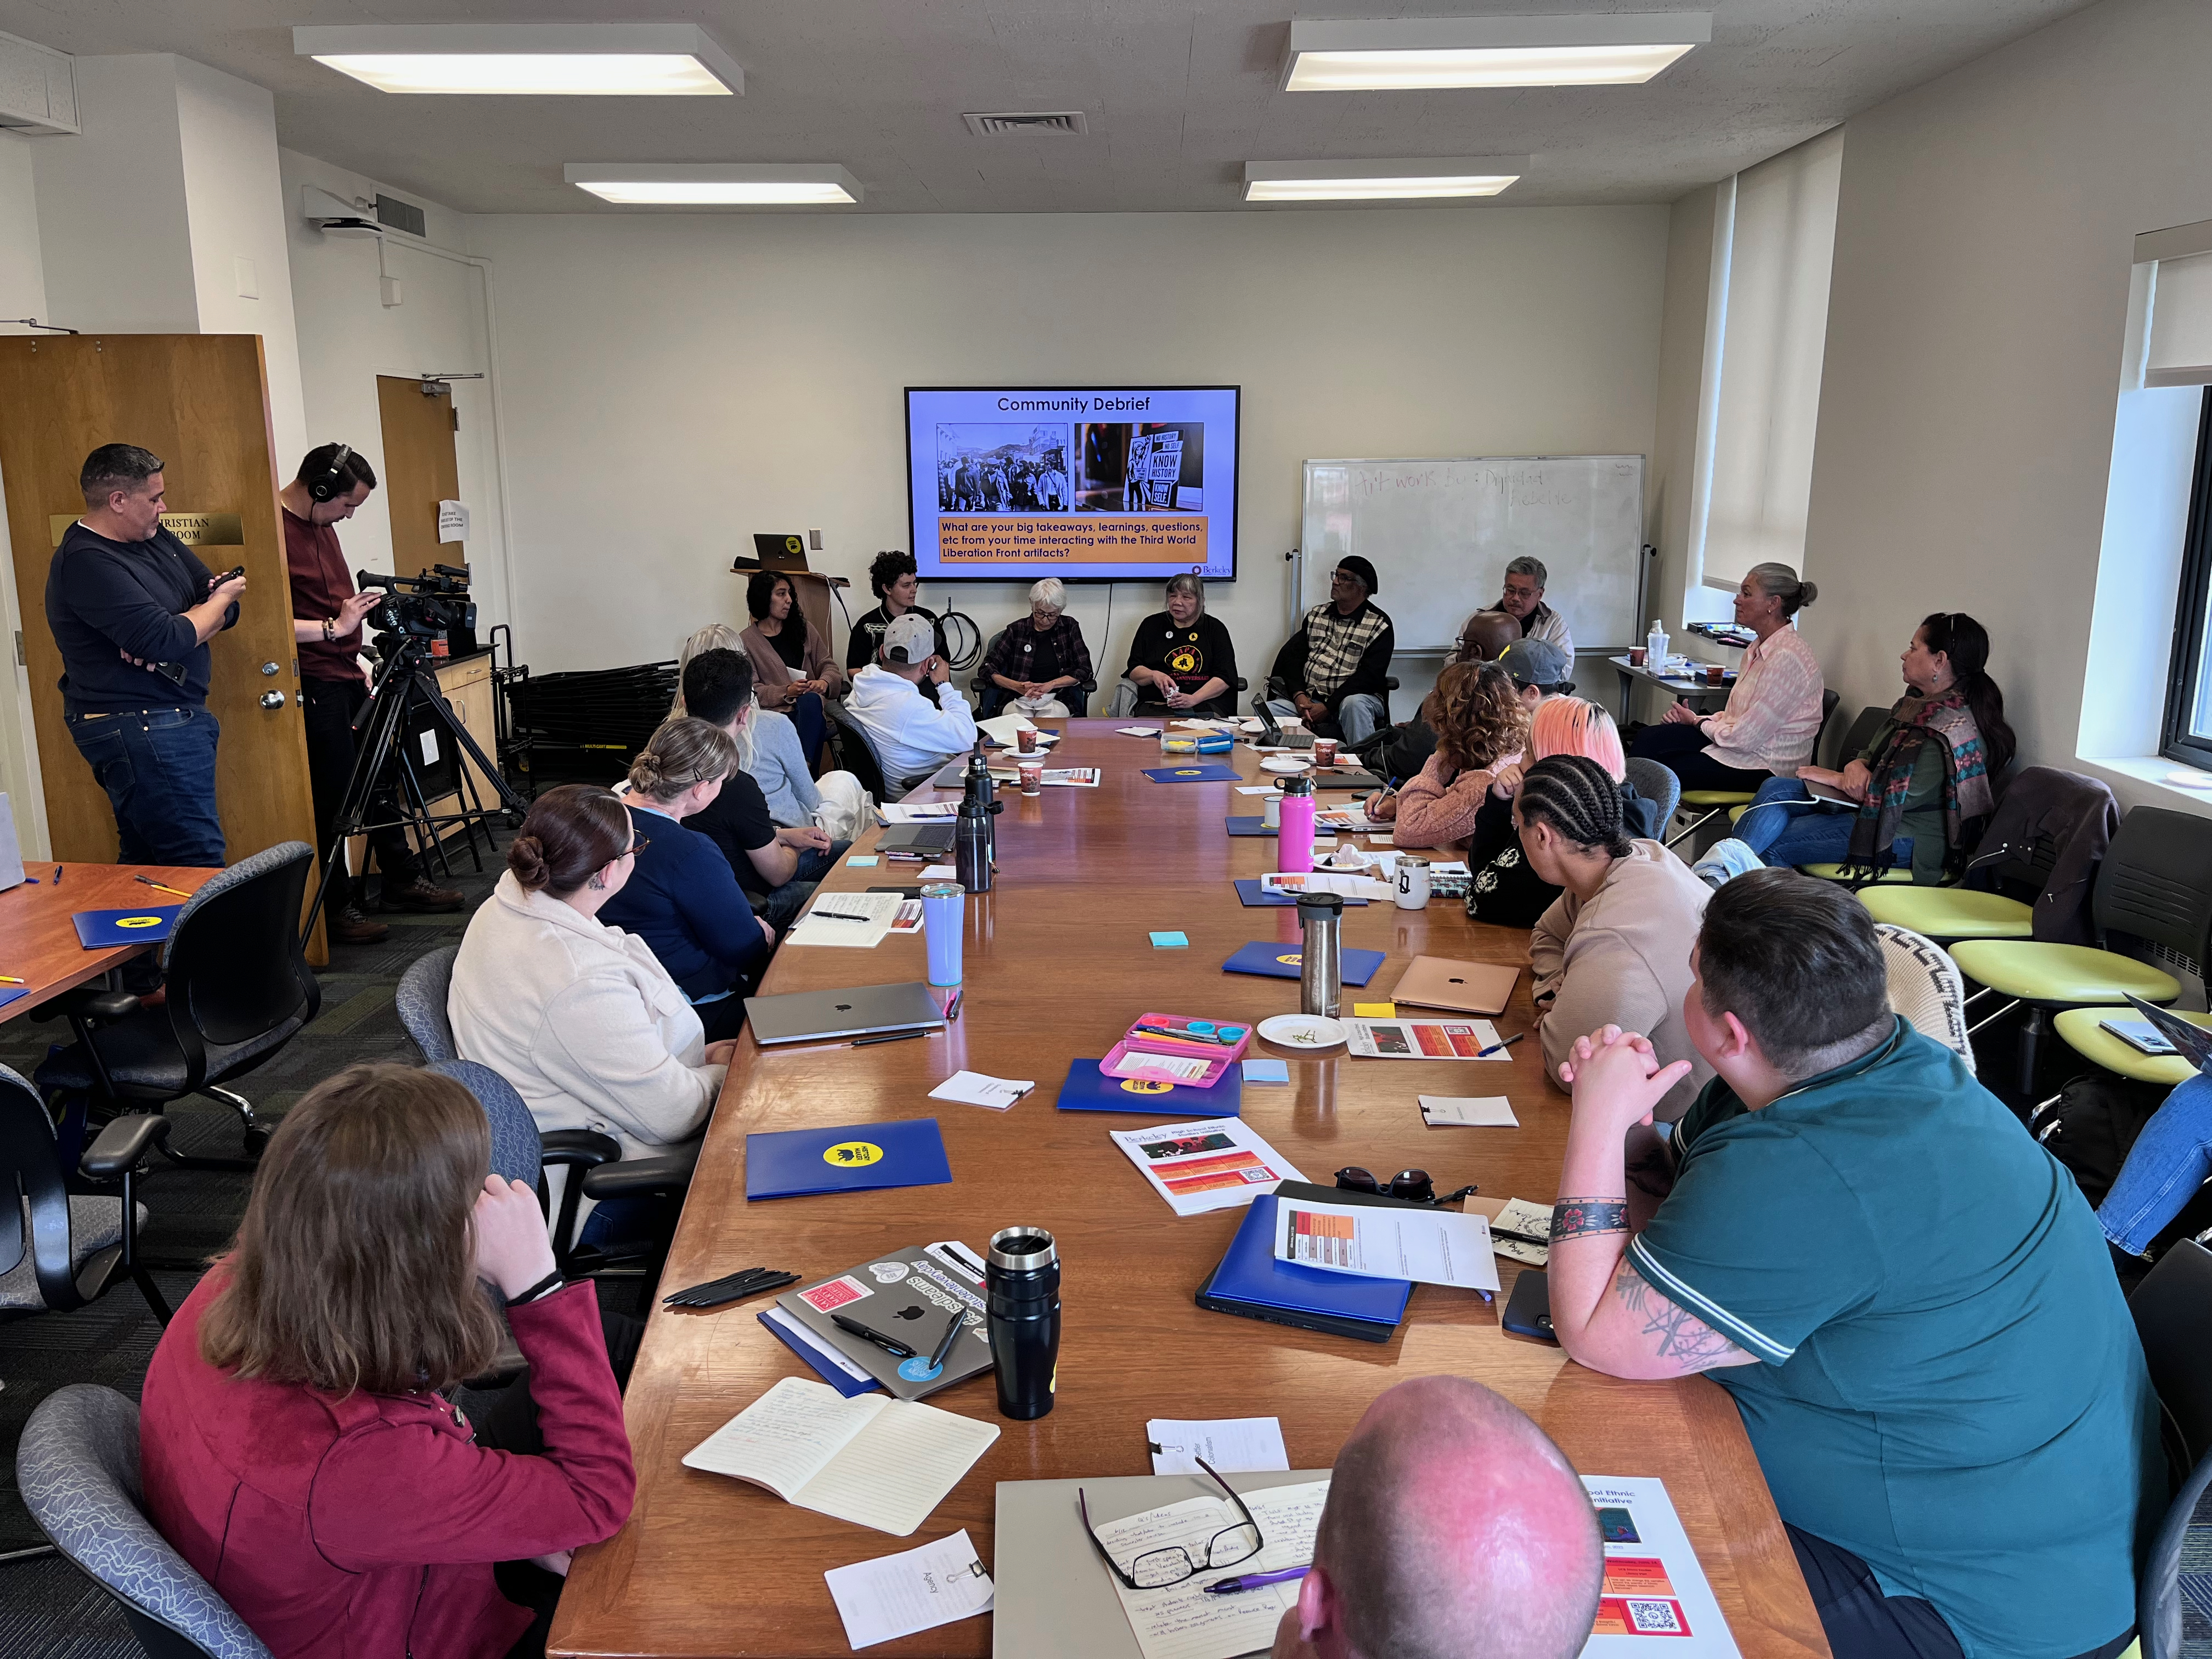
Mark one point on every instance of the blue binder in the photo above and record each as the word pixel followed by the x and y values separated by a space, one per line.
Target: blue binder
pixel 1207 774
pixel 96 930
pixel 848 1386
pixel 1280 961
pixel 850 1157
pixel 1249 892
pixel 1250 1275
pixel 1089 1090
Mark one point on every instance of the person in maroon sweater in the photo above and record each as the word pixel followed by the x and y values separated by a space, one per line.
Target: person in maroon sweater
pixel 296 1442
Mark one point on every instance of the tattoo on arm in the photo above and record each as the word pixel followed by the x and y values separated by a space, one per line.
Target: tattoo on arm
pixel 1687 1340
pixel 1572 1217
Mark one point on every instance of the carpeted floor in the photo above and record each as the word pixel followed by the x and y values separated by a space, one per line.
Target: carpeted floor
pixel 47 1610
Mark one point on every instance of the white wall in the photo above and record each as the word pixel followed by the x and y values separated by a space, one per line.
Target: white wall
pixel 22 293
pixel 674 383
pixel 22 272
pixel 348 336
pixel 1978 309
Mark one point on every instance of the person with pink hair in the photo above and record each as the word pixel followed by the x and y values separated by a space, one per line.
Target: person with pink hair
pixel 1503 889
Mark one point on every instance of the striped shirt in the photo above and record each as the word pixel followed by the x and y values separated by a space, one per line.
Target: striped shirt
pixel 1773 714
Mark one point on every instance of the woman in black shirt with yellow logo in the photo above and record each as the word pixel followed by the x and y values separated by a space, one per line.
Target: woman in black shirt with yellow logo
pixel 1180 659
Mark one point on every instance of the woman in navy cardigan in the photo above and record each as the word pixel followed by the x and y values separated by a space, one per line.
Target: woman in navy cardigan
pixel 682 898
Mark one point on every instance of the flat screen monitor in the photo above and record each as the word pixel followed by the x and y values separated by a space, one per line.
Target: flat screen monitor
pixel 1086 484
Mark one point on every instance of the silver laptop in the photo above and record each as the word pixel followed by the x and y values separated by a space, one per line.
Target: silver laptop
pixel 11 850
pixel 856 1011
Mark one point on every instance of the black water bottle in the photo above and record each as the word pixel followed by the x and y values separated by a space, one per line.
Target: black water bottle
pixel 971 847
pixel 984 788
pixel 1021 1283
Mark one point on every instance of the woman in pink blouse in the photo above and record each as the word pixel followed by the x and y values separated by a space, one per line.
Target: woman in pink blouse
pixel 1773 714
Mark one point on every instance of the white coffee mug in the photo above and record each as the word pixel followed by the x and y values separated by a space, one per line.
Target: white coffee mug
pixel 1271 810
pixel 1412 882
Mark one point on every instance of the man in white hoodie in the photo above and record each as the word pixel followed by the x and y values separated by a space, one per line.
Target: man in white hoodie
pixel 910 738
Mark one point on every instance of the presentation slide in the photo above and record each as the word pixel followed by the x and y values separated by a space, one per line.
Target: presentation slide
pixel 1086 484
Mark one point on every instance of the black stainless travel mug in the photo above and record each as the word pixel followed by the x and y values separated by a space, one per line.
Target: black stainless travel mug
pixel 1021 1286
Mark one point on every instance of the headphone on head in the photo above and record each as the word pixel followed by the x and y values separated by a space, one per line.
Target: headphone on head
pixel 328 482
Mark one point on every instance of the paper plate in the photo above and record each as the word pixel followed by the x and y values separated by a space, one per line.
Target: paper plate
pixel 1309 1032
pixel 1280 763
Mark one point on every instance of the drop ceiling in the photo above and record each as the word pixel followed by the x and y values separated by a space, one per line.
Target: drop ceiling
pixel 1178 96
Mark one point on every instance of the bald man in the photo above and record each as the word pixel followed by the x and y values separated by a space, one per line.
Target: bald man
pixel 1484 636
pixel 1455 1529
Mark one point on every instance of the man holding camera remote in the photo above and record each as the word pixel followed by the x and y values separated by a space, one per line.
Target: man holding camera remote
pixel 132 610
pixel 326 625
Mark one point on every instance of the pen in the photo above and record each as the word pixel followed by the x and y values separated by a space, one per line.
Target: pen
pixel 944 1342
pixel 1495 1047
pixel 9 979
pixel 1182 1037
pixel 840 915
pixel 889 1037
pixel 1497 1231
pixel 1255 1580
pixel 57 875
pixel 892 1346
pixel 149 880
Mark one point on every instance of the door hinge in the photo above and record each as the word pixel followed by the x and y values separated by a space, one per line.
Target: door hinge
pixel 20 661
pixel 456 420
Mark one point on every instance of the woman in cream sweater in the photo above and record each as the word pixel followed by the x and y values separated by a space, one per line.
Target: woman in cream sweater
pixel 580 1017
pixel 1615 947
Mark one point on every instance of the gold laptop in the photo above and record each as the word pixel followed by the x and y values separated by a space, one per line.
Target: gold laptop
pixel 1465 988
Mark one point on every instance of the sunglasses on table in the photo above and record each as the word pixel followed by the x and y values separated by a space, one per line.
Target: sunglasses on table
pixel 1157 1569
pixel 1412 1185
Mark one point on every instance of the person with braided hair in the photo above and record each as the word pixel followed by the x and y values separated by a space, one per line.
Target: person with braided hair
pixel 1615 947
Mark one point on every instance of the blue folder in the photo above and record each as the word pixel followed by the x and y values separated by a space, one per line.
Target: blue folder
pixel 1250 1273
pixel 851 1158
pixel 1250 891
pixel 1089 1090
pixel 1208 774
pixel 1246 824
pixel 1279 960
pixel 96 930
pixel 848 1386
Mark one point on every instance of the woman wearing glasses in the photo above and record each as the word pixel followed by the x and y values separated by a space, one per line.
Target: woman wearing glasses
pixel 1922 787
pixel 580 1016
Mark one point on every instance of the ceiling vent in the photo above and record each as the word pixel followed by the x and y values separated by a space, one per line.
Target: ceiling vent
pixel 1012 124
pixel 38 87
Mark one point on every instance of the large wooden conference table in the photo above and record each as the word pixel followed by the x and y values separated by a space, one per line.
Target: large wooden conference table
pixel 1057 962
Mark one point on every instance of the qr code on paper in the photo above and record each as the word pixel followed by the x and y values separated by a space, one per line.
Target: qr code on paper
pixel 1654 1618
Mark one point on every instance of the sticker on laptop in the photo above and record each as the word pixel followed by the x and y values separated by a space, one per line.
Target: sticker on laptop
pixel 828 1299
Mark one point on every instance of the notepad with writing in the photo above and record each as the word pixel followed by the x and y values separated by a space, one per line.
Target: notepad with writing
pixel 871 1459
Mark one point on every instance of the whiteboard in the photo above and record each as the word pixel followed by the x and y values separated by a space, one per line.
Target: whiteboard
pixel 1439 534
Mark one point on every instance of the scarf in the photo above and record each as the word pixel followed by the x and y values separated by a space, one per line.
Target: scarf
pixel 1335 644
pixel 1914 722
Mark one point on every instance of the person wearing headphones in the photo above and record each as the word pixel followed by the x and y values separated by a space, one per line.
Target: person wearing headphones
pixel 326 625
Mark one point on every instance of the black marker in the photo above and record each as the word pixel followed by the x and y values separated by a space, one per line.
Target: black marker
pixel 890 1037
pixel 944 1342
pixel 889 1345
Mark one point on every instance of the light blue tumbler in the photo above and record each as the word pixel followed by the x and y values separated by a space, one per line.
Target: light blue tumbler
pixel 944 913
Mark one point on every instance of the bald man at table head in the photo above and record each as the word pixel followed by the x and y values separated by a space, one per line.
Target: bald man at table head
pixel 1455 1529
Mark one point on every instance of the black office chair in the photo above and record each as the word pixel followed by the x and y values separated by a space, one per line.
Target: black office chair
pixel 2186 1534
pixel 855 753
pixel 992 699
pixel 2172 1311
pixel 58 1250
pixel 239 990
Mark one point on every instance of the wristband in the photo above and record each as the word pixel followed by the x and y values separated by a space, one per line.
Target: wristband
pixel 328 637
pixel 544 1287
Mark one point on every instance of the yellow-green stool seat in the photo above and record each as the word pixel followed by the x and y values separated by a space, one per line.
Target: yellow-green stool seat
pixel 1950 913
pixel 1735 813
pixel 2083 1029
pixel 1715 798
pixel 2060 972
pixel 1897 874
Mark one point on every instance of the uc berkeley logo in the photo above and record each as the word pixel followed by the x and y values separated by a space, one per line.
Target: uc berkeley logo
pixel 1146 1085
pixel 853 1154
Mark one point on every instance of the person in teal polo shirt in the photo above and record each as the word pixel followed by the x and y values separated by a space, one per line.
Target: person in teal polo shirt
pixel 1909 1298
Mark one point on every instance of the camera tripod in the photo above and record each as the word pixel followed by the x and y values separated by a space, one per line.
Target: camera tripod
pixel 404 685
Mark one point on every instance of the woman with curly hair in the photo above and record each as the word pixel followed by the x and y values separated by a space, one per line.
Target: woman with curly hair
pixel 1481 727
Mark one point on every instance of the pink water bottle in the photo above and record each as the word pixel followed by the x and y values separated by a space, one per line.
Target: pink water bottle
pixel 1294 850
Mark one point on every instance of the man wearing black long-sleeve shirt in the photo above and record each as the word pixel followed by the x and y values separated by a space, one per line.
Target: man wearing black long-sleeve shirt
pixel 132 610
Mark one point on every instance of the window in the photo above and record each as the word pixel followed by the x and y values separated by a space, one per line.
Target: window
pixel 2188 731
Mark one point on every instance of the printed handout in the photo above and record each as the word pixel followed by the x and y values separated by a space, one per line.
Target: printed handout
pixel 1654 1586
pixel 1231 1444
pixel 1431 1246
pixel 1422 1039
pixel 913 1590
pixel 1216 1164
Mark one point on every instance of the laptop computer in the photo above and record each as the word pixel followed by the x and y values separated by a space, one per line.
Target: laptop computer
pixel 854 1011
pixel 1465 988
pixel 2192 1043
pixel 914 840
pixel 1274 736
pixel 780 552
pixel 11 851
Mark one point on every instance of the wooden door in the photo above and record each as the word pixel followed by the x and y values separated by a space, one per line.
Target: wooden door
pixel 200 402
pixel 419 470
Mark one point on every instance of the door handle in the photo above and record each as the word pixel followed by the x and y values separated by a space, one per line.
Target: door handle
pixel 272 699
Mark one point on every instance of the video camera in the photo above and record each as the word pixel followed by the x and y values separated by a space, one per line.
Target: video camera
pixel 436 602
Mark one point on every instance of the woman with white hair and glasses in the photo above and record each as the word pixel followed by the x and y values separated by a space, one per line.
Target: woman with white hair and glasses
pixel 1038 657
pixel 1179 658
pixel 1773 716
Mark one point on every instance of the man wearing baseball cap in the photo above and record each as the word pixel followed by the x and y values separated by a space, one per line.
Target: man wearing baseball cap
pixel 911 738
pixel 1539 668
pixel 1331 671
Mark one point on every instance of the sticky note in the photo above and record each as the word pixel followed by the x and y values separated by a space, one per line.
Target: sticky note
pixel 1375 1011
pixel 1169 942
pixel 1266 1071
pixel 867 863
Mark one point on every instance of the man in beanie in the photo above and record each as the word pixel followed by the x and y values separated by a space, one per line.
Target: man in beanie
pixel 1330 672
pixel 911 739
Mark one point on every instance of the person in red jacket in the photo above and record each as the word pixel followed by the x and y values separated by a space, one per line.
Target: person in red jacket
pixel 295 1441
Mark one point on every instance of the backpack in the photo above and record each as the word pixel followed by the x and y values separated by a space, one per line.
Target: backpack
pixel 2090 1125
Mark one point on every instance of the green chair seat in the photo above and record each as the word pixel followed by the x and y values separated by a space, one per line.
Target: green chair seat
pixel 1897 874
pixel 2060 974
pixel 1715 798
pixel 1949 913
pixel 1735 813
pixel 2084 1032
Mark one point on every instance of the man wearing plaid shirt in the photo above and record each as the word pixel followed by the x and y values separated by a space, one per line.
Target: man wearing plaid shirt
pixel 1332 670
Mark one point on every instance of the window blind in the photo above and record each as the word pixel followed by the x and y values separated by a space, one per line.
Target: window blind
pixel 1773 332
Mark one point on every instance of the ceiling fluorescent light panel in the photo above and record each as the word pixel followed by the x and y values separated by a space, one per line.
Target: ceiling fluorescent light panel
pixel 1429 178
pixel 717 184
pixel 568 60
pixel 1433 54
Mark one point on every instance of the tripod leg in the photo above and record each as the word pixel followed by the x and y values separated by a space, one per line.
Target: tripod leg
pixel 371 751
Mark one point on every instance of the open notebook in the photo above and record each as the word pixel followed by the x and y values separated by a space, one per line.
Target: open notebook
pixel 871 1459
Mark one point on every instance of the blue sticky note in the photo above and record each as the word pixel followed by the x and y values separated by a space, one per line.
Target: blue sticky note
pixel 1169 942
pixel 1266 1071
pixel 868 862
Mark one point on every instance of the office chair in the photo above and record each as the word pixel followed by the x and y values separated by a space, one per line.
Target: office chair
pixel 76 1467
pixel 1658 785
pixel 420 1002
pixel 991 699
pixel 857 753
pixel 2185 1536
pixel 239 990
pixel 58 1250
pixel 2173 1311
